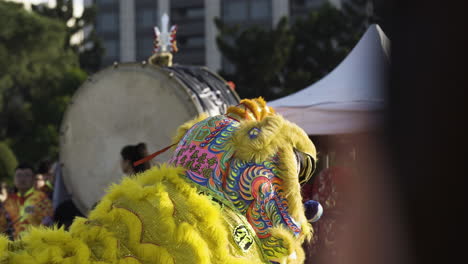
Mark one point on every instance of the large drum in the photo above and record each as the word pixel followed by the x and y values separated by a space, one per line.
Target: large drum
pixel 127 104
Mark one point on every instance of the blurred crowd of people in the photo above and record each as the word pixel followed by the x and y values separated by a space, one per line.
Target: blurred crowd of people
pixel 37 197
pixel 29 200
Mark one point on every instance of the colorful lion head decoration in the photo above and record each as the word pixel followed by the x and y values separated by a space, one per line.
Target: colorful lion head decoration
pixel 252 161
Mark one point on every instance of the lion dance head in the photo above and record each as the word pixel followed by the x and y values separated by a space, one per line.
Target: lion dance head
pixel 253 161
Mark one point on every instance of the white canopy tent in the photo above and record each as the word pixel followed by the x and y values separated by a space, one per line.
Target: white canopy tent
pixel 350 99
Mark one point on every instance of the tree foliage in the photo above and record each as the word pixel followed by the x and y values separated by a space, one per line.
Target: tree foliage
pixel 258 55
pixel 322 41
pixel 37 77
pixel 89 49
pixel 276 62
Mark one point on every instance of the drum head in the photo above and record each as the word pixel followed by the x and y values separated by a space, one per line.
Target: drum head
pixel 121 105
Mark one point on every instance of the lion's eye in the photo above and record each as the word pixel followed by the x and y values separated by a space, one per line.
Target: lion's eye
pixel 305 165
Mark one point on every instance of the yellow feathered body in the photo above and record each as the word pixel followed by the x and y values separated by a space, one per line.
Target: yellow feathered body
pixel 154 217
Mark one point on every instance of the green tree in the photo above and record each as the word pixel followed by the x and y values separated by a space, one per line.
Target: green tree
pixel 37 78
pixel 321 42
pixel 258 56
pixel 90 49
pixel 362 13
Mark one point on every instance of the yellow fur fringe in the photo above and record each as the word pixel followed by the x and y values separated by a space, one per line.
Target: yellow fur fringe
pixel 154 217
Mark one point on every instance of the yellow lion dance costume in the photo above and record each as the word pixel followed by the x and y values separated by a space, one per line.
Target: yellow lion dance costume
pixel 229 194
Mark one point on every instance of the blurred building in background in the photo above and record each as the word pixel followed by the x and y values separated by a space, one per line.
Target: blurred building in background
pixel 126 26
pixel 300 8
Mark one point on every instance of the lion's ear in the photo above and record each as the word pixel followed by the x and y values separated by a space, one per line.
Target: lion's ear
pixel 255 139
pixel 181 130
